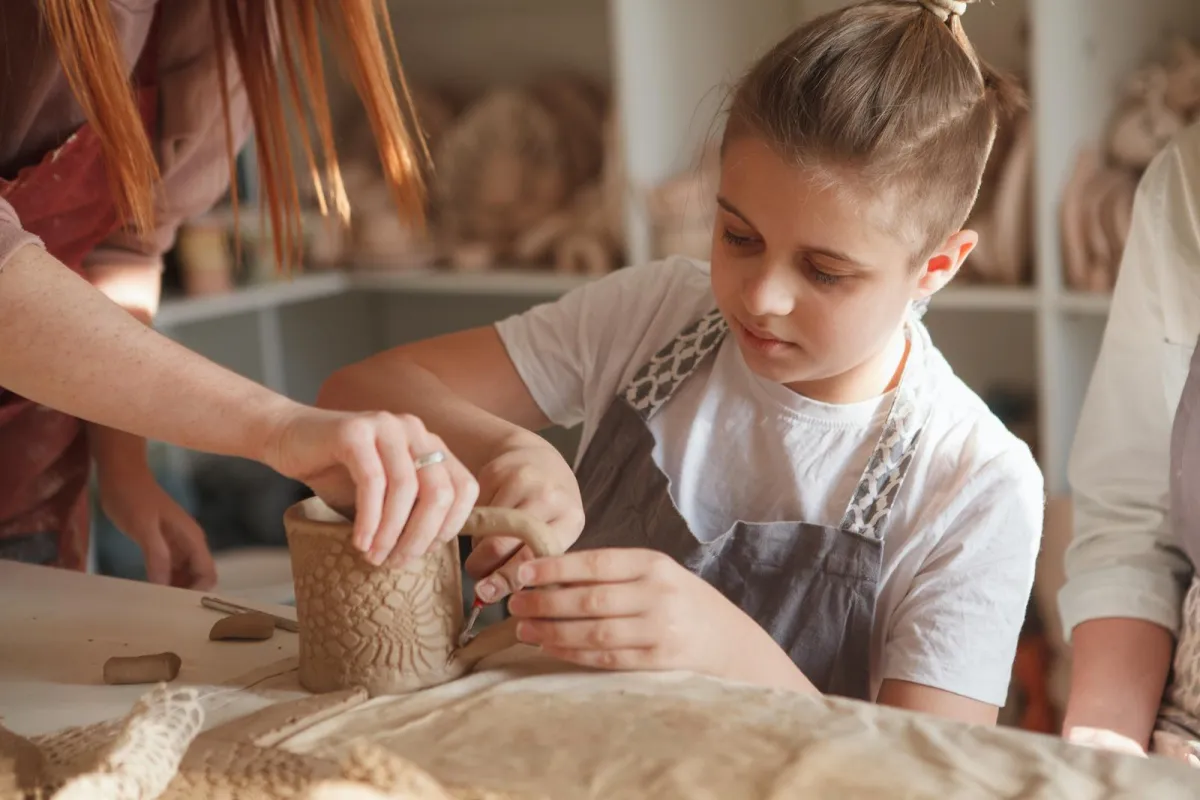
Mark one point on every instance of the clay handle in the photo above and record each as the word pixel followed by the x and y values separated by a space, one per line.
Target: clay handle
pixel 486 521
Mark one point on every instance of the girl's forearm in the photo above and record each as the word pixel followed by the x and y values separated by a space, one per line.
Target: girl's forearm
pixel 69 347
pixel 475 436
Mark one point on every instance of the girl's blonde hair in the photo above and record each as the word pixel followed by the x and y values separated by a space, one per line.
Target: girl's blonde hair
pixel 893 91
pixel 276 45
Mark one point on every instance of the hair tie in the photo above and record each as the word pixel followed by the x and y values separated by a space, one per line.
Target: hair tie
pixel 944 9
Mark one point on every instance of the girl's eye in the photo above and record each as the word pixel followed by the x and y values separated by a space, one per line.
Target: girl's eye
pixel 734 239
pixel 822 277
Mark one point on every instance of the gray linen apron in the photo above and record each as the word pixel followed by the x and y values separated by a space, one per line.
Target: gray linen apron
pixel 812 587
pixel 1179 716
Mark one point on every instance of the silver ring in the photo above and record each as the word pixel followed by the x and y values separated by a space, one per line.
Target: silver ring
pixel 429 459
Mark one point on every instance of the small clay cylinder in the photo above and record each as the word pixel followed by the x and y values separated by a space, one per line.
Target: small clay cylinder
pixel 248 626
pixel 153 668
pixel 388 630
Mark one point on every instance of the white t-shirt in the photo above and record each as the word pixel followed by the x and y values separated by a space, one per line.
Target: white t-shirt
pixel 961 541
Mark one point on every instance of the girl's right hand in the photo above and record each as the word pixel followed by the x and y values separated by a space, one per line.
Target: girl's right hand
pixel 532 476
pixel 366 462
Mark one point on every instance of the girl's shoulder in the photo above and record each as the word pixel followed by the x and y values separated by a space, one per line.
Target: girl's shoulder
pixel 646 305
pixel 967 442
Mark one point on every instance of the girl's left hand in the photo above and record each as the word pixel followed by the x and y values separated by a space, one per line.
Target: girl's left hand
pixel 625 609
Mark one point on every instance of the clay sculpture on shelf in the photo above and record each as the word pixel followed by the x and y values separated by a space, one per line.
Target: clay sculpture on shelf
pixel 1183 79
pixel 681 208
pixel 1095 214
pixel 501 169
pixel 1096 209
pixel 1144 123
pixel 389 630
pixel 1003 214
pixel 532 175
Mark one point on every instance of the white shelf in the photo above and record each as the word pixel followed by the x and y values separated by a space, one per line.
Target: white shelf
pixel 670 63
pixel 1085 303
pixel 974 297
pixel 497 282
pixel 186 310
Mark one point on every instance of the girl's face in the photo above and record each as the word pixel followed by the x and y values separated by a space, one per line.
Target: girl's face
pixel 813 292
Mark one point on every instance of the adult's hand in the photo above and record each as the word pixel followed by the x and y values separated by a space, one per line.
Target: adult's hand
pixel 365 462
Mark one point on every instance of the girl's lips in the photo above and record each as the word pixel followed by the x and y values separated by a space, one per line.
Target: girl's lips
pixel 762 342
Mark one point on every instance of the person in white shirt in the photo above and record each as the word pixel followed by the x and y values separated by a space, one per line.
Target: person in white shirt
pixel 1134 483
pixel 780 479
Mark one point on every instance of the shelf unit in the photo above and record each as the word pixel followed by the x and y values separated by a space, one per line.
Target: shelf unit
pixel 669 63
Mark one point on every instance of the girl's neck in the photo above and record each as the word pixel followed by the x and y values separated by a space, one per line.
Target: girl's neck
pixel 874 377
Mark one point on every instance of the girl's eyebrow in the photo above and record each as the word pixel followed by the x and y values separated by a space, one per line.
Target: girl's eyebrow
pixel 837 255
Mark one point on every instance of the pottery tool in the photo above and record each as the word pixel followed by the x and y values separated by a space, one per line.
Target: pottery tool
pixel 217 604
pixel 472 618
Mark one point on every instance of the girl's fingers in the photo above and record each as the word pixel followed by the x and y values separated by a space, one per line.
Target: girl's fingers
pixel 613 633
pixel 608 565
pixel 503 581
pixel 488 555
pixel 586 601
pixel 631 659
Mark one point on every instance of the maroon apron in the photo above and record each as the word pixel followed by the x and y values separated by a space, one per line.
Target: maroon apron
pixel 66 200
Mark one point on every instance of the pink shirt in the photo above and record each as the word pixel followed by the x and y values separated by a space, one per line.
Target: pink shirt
pixel 38 112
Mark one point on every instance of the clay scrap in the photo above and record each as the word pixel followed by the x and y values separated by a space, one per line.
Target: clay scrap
pixel 152 668
pixel 248 626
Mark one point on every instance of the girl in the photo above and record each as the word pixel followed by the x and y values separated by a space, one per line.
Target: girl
pixel 120 120
pixel 780 479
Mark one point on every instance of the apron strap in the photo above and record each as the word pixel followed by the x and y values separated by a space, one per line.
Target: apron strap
pixel 654 384
pixel 888 465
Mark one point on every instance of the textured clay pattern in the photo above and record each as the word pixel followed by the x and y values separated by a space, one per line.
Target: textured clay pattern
pixel 390 631
pixel 154 753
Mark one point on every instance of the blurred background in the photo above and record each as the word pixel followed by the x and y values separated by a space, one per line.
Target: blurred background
pixel 572 137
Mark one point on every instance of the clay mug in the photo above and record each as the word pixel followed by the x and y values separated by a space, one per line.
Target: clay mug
pixel 389 630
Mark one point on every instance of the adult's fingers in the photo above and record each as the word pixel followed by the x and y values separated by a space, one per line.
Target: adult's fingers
pixel 156 555
pixel 191 549
pixel 359 453
pixel 435 496
pixel 394 441
pixel 466 494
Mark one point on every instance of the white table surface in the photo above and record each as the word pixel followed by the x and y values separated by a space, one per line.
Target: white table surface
pixel 57 628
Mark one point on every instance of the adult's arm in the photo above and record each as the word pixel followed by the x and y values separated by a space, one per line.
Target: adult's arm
pixel 69 347
pixel 1125 571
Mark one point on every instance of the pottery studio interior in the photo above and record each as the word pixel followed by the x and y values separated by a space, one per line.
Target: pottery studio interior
pixel 599 398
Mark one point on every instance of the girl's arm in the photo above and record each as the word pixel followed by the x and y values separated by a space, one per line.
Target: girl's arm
pixel 926 699
pixel 463 385
pixel 467 391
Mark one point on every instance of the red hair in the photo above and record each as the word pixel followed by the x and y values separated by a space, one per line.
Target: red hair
pixel 274 42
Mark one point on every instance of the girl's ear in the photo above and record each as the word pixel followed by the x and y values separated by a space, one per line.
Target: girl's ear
pixel 943 265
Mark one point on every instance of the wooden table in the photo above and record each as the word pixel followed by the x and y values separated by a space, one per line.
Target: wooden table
pixel 57 628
